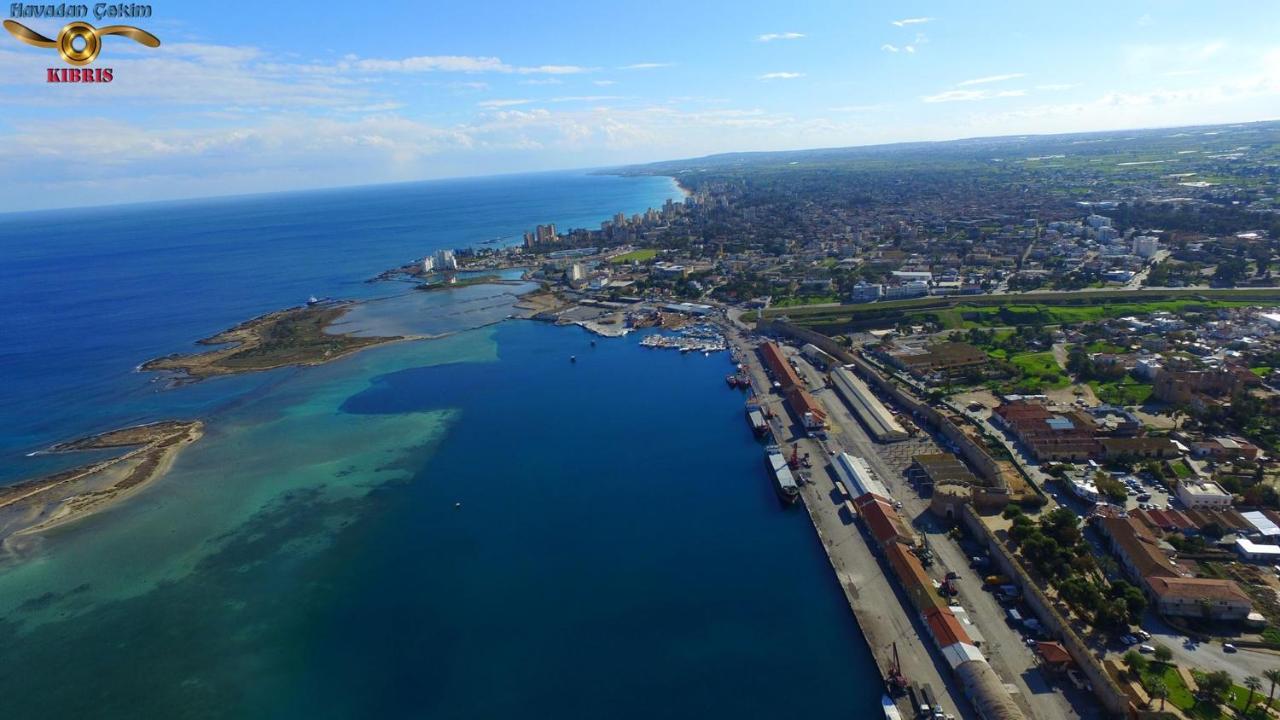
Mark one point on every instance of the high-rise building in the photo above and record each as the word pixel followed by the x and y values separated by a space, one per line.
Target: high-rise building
pixel 1146 246
pixel 545 234
pixel 444 260
pixel 428 264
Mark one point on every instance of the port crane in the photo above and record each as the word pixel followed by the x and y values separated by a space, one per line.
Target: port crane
pixel 896 681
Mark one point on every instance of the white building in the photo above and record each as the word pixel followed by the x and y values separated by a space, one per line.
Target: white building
pixel 428 264
pixel 1146 246
pixel 1272 319
pixel 916 288
pixel 444 260
pixel 1198 495
pixel 1098 221
pixel 858 477
pixel 864 292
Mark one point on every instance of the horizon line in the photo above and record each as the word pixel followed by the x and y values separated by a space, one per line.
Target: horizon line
pixel 602 169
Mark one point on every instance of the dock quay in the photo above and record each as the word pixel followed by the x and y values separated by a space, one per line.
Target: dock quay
pixel 882 610
pixel 1000 677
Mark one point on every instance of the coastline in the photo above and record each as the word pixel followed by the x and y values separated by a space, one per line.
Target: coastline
pixel 51 501
pixel 293 336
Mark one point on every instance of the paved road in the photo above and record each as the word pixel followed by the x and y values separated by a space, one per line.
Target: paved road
pixel 1210 656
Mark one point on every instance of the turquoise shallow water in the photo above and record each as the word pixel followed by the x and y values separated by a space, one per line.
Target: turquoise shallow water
pixel 618 550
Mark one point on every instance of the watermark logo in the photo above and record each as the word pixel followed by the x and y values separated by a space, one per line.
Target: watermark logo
pixel 79 43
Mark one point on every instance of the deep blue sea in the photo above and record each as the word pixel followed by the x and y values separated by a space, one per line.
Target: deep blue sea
pixel 467 527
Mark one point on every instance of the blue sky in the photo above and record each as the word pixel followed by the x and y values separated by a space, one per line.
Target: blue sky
pixel 249 97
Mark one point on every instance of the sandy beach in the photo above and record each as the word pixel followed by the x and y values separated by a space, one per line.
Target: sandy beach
pixel 53 500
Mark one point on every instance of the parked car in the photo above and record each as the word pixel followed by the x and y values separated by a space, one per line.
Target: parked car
pixel 1228 648
pixel 1078 680
pixel 1146 649
pixel 1129 640
pixel 1142 634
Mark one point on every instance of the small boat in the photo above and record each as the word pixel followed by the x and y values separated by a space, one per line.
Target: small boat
pixel 890 708
pixel 573 358
pixel 731 380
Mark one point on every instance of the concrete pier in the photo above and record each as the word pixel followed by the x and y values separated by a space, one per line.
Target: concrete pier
pixel 884 615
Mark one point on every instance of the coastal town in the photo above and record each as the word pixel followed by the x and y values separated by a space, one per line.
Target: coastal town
pixel 1031 418
pixel 1032 422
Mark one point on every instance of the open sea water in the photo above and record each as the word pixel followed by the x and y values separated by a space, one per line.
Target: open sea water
pixel 467 527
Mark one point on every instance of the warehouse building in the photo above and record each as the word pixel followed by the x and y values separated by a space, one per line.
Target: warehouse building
pixel 880 423
pixel 857 476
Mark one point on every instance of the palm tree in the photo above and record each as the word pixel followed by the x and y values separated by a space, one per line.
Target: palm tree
pixel 1158 689
pixel 1273 676
pixel 1254 684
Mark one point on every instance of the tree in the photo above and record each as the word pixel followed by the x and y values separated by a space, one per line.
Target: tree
pixel 1230 271
pixel 1214 687
pixel 1163 655
pixel 1272 676
pixel 1134 601
pixel 1135 663
pixel 1158 689
pixel 1254 685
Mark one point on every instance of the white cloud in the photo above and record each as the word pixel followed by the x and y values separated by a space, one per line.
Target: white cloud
pixel 919 40
pixel 856 108
pixel 1053 87
pixel 501 103
pixel 770 37
pixel 646 66
pixel 604 83
pixel 991 79
pixel 542 81
pixel 781 76
pixel 970 95
pixel 455 63
pixel 911 21
pixel 588 98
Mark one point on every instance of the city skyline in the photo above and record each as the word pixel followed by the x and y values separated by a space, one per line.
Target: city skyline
pixel 286 97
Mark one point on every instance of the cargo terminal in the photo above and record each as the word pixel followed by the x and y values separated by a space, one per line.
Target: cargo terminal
pixel 881 423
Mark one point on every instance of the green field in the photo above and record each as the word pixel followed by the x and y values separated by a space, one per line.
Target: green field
pixel 1024 309
pixel 641 255
pixel 804 300
pixel 1040 369
pixel 1126 392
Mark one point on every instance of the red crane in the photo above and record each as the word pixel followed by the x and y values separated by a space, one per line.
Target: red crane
pixel 897 681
